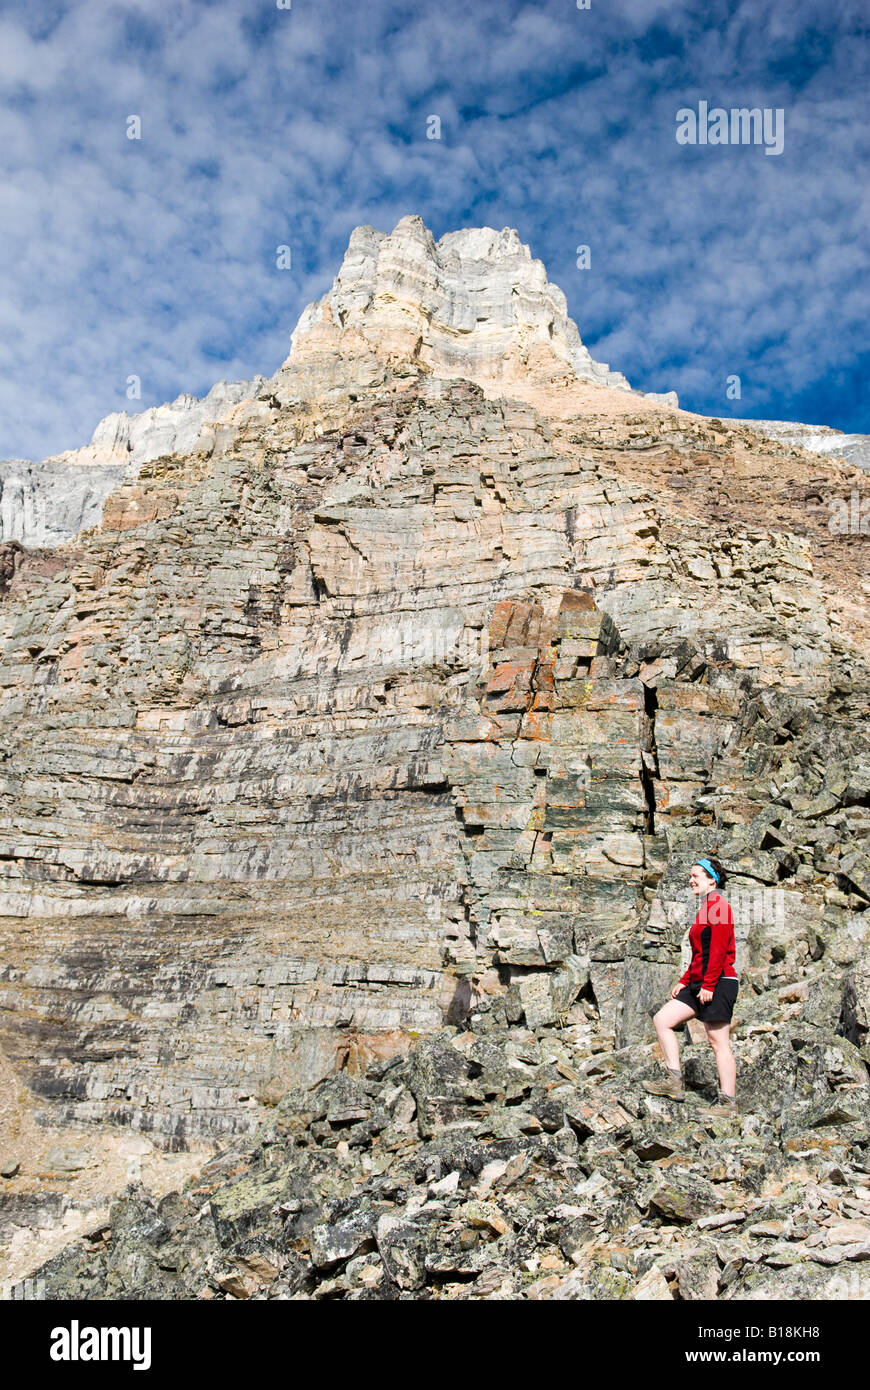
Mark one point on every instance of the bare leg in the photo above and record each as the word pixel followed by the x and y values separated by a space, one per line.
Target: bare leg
pixel 718 1035
pixel 666 1020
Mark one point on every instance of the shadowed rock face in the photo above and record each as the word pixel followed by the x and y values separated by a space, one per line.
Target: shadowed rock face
pixel 397 703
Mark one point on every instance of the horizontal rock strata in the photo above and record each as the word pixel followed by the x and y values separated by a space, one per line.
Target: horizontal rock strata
pixel 310 739
pixel 401 699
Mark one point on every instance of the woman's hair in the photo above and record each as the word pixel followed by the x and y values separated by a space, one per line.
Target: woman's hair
pixel 723 877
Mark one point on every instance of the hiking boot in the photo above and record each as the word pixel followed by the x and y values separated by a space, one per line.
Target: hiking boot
pixel 670 1085
pixel 725 1107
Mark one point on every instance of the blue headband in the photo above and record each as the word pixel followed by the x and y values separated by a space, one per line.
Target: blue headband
pixel 705 864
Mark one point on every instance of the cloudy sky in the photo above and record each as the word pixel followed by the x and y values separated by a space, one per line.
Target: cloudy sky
pixel 264 126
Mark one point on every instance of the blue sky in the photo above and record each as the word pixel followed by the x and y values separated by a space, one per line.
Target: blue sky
pixel 264 126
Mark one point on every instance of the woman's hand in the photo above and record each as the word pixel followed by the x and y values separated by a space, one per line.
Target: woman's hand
pixel 676 989
pixel 705 996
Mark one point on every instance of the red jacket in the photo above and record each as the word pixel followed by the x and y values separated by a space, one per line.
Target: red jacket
pixel 711 937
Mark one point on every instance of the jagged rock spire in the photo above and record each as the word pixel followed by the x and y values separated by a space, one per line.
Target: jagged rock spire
pixel 473 304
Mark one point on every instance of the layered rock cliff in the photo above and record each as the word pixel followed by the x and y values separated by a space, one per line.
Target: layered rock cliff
pixel 47 503
pixel 402 699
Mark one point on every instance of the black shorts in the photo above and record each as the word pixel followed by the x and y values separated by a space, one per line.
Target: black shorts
pixel 720 1007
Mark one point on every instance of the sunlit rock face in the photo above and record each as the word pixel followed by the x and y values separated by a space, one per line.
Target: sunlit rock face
pixel 819 439
pixel 474 304
pixel 175 428
pixel 47 503
pixel 390 697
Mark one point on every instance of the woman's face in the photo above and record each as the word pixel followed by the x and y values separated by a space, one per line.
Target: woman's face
pixel 700 881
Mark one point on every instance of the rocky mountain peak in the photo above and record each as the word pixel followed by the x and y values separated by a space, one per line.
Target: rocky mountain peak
pixel 474 304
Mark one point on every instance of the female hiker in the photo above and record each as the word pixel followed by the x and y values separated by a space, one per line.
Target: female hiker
pixel 707 990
